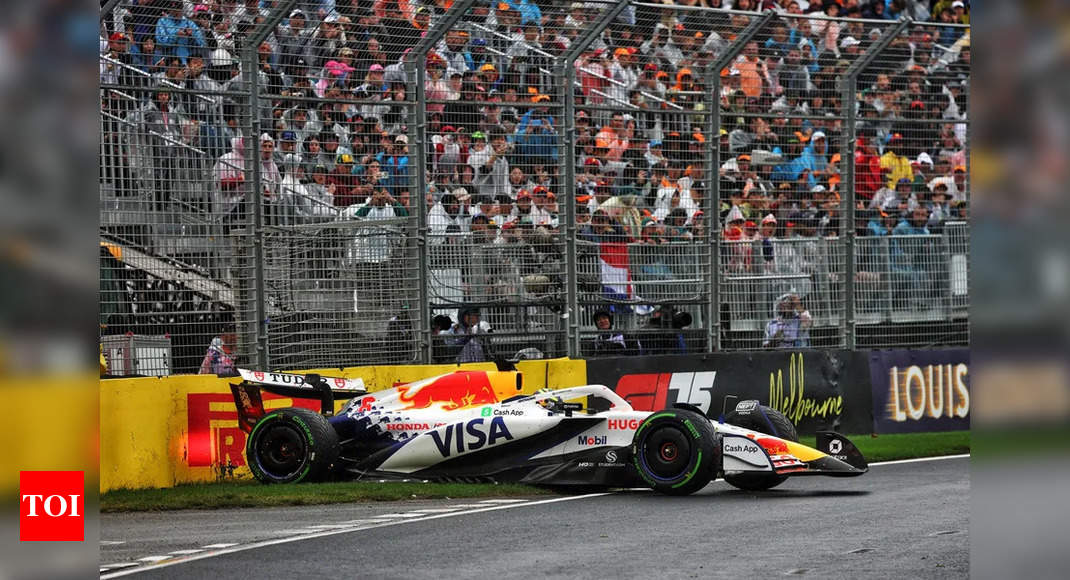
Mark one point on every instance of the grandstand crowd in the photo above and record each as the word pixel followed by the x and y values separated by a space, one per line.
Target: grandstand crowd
pixel 334 112
pixel 333 116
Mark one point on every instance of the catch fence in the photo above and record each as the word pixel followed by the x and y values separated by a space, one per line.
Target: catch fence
pixel 337 188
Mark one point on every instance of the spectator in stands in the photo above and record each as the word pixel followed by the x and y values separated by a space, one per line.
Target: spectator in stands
pixel 867 170
pixel 544 212
pixel 218 361
pixel 229 176
pixel 882 223
pixel 168 127
pixel 895 162
pixel 609 341
pixel 536 135
pixel 791 323
pixel 381 205
pixel 469 334
pixel 914 225
pixel 938 205
pixel 490 165
pixel 270 175
pixel 449 215
pixel 319 194
pixel 177 35
pixel 651 232
pixel 345 182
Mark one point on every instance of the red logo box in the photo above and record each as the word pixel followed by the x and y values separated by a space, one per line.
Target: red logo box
pixel 51 506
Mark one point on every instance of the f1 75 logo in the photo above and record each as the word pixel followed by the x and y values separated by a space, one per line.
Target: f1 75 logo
pixel 653 391
pixel 51 506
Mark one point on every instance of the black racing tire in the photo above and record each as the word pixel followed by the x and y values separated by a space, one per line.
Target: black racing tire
pixel 291 445
pixel 764 420
pixel 675 451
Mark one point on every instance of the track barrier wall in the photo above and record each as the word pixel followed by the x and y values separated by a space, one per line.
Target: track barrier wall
pixel 815 389
pixel 161 432
pixel 918 390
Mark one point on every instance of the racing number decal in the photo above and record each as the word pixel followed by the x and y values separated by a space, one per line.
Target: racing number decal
pixel 693 388
pixel 656 391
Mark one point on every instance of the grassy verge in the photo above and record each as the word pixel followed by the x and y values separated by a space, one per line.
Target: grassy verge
pixel 907 445
pixel 251 494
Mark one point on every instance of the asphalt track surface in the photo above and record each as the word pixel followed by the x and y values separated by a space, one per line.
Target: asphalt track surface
pixel 902 520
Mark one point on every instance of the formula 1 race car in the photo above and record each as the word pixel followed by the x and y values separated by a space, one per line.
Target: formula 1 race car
pixel 479 426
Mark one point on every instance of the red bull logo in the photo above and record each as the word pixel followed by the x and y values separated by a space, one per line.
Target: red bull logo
pixel 773 446
pixel 456 390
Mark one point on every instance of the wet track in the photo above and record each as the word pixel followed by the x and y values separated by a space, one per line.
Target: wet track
pixel 900 520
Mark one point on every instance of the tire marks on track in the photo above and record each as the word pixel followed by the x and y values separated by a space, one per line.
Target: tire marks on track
pixel 152 561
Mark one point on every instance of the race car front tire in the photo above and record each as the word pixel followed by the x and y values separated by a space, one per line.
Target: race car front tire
pixel 674 451
pixel 764 420
pixel 290 446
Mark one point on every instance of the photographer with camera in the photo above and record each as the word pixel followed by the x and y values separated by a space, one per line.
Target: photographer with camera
pixel 790 326
pixel 490 165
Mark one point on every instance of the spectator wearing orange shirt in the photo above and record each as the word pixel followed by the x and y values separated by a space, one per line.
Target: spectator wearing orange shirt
pixel 753 73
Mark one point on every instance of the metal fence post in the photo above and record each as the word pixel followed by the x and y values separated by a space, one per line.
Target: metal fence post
pixel 847 156
pixel 713 158
pixel 416 76
pixel 566 67
pixel 255 195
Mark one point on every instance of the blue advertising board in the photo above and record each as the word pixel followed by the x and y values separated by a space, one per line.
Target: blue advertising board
pixel 920 390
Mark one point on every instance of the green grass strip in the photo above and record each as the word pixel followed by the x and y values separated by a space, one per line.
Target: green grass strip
pixel 894 446
pixel 253 494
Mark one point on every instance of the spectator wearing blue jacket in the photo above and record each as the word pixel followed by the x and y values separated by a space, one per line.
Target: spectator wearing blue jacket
pixel 882 224
pixel 813 158
pixel 177 35
pixel 911 259
pixel 536 137
pixel 529 11
pixel 396 164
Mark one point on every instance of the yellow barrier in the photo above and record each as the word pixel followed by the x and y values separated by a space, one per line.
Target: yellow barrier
pixel 50 424
pixel 159 432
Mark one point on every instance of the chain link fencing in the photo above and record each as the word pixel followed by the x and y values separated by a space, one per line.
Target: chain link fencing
pixel 415 182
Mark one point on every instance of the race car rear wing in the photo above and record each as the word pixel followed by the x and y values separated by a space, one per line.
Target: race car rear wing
pixel 308 386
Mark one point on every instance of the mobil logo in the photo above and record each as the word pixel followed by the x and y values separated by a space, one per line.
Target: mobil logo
pixel 591 440
pixel 456 390
pixel 622 424
pixel 470 436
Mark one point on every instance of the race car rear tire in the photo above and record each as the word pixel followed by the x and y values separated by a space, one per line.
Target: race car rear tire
pixel 674 451
pixel 290 446
pixel 764 420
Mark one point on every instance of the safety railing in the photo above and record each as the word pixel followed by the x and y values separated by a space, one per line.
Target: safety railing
pixel 309 186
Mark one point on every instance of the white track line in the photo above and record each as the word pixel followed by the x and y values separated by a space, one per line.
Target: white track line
pixel 119 565
pixel 153 558
pixel 224 549
pixel 919 460
pixel 185 552
pixel 242 548
pixel 504 501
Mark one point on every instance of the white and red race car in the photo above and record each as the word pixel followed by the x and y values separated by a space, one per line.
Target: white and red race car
pixel 480 426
